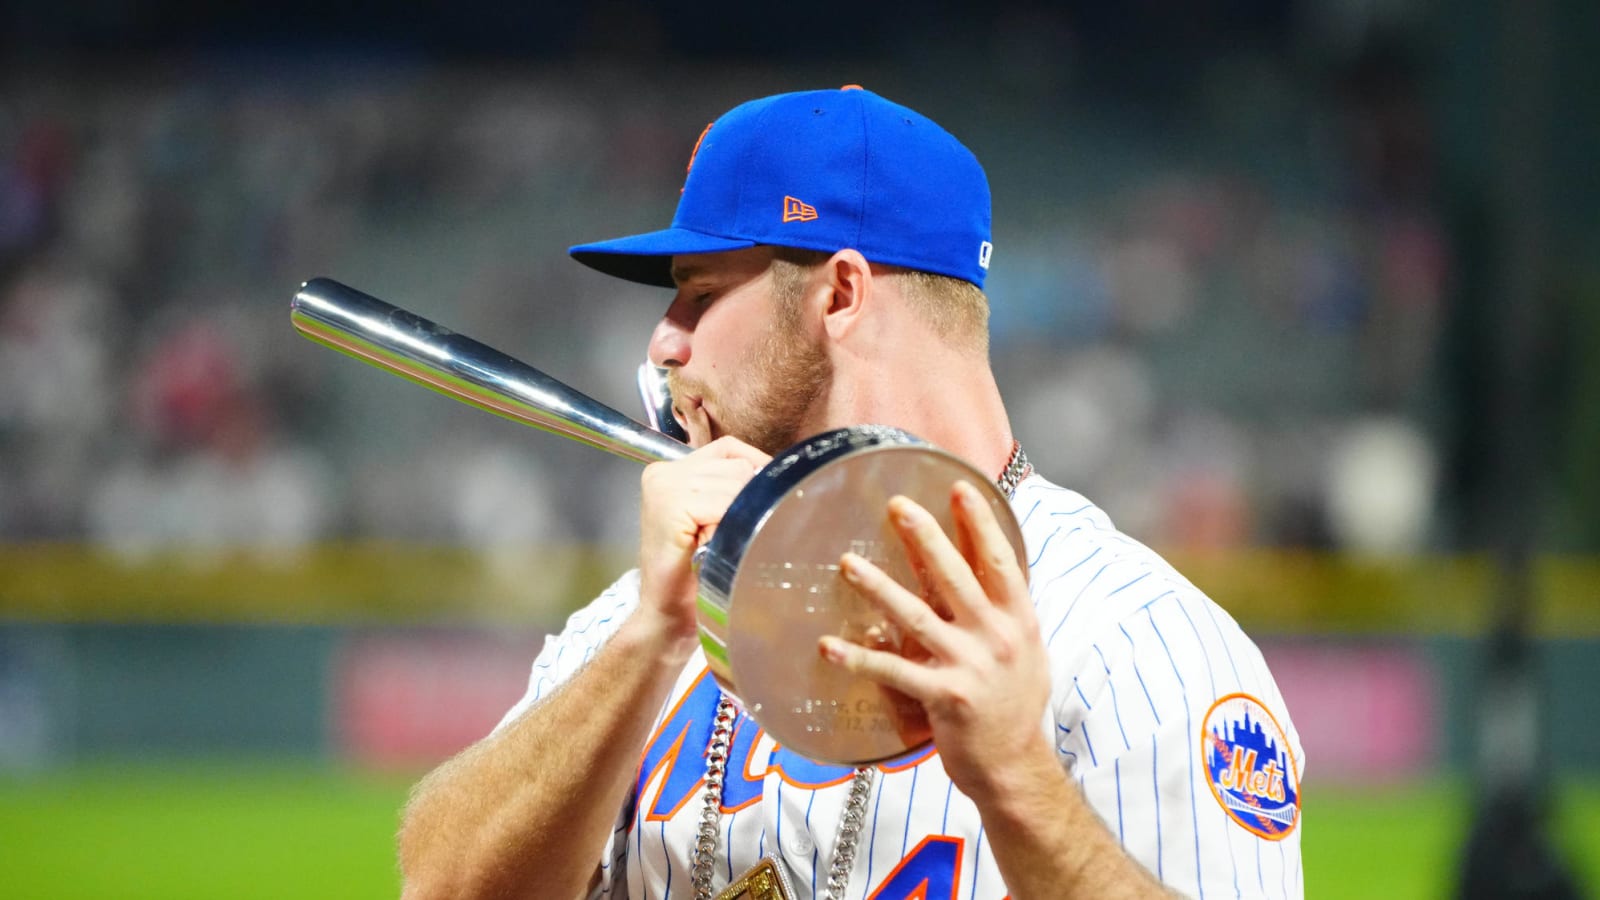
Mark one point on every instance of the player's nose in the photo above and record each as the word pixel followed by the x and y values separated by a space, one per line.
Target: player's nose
pixel 669 343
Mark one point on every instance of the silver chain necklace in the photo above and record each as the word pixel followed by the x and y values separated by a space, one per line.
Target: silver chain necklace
pixel 855 809
pixel 1017 468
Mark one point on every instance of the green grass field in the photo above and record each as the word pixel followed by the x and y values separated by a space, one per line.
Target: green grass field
pixel 208 831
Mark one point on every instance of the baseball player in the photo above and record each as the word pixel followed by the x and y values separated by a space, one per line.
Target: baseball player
pixel 1100 728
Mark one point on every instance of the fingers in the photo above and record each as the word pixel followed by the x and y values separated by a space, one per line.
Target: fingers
pixel 978 674
pixel 965 582
pixel 683 500
pixel 944 571
pixel 698 481
pixel 726 461
pixel 694 493
pixel 697 424
pixel 703 496
pixel 729 447
pixel 986 548
pixel 905 610
pixel 885 668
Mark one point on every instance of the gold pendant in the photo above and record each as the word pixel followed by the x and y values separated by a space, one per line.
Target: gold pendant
pixel 764 881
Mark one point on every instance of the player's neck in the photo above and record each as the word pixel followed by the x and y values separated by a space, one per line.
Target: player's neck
pixel 948 398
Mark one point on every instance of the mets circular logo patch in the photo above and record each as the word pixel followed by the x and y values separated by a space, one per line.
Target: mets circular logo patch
pixel 1250 766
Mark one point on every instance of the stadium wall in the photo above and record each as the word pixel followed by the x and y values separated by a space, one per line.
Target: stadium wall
pixel 1368 707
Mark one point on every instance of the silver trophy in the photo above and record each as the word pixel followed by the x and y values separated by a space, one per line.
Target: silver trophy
pixel 769 577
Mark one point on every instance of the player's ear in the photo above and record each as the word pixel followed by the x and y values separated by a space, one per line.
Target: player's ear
pixel 849 282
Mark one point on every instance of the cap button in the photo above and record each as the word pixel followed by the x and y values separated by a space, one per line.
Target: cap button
pixel 852 87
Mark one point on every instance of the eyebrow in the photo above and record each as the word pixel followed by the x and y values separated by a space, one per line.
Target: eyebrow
pixel 683 273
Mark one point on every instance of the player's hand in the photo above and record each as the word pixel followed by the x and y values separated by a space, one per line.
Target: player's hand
pixel 681 503
pixel 979 668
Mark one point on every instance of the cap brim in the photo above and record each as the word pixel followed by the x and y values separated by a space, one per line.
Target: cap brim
pixel 647 258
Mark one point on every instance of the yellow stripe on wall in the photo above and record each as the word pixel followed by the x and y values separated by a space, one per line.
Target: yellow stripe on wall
pixel 1266 590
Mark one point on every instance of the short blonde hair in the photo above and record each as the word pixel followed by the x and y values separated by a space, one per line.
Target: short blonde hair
pixel 957 310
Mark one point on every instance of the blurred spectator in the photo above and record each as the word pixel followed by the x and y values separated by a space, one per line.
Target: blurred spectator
pixel 55 364
pixel 213 475
pixel 1381 479
pixel 1206 504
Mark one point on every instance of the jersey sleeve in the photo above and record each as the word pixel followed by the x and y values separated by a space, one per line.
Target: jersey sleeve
pixel 1179 738
pixel 1163 709
pixel 585 632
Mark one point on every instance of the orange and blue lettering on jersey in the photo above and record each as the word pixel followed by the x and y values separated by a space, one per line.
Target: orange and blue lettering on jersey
pixel 679 744
pixel 674 764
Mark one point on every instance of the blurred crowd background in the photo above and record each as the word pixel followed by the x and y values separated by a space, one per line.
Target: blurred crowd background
pixel 1249 293
pixel 1228 302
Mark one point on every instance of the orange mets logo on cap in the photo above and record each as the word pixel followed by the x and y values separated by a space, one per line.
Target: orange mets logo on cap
pixel 1250 766
pixel 695 152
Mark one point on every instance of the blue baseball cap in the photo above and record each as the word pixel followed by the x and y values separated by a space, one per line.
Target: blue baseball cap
pixel 821 170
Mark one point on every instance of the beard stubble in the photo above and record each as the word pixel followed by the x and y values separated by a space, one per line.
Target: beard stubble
pixel 781 380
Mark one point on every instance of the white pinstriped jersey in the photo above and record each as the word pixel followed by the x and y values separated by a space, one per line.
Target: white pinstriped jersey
pixel 1163 712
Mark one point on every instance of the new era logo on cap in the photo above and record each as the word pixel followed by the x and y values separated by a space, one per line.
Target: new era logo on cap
pixel 796 211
